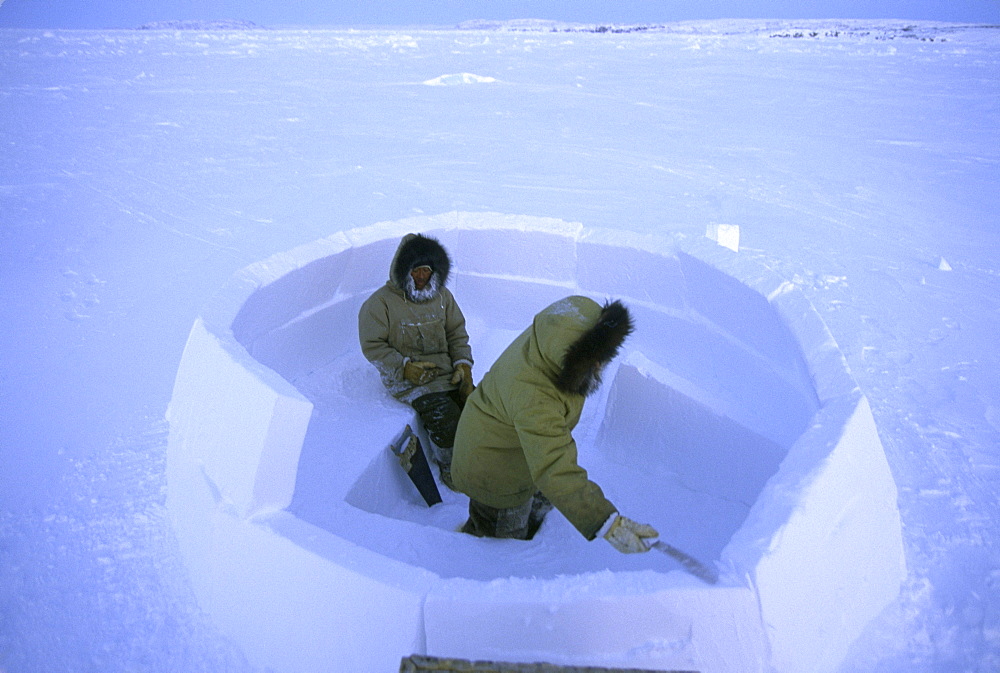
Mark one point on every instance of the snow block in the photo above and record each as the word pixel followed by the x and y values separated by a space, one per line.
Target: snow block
pixel 513 302
pixel 575 621
pixel 727 291
pixel 646 274
pixel 224 406
pixel 288 297
pixel 731 406
pixel 726 235
pixel 825 532
pixel 650 422
pixel 540 256
pixel 275 580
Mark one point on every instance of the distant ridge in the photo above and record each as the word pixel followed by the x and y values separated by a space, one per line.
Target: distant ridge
pixel 221 24
pixel 883 29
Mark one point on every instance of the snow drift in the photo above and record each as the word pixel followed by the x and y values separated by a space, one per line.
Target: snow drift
pixel 730 422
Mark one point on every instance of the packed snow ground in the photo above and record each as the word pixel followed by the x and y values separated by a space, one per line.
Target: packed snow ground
pixel 142 168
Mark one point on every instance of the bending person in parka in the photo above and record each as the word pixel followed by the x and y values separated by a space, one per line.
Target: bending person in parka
pixel 413 331
pixel 514 450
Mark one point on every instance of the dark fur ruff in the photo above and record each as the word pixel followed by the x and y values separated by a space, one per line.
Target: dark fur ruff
pixel 418 251
pixel 594 348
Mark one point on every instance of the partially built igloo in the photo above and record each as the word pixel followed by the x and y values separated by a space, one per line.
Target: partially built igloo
pixel 730 421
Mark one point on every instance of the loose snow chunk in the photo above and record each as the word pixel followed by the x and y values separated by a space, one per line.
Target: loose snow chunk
pixel 459 78
pixel 726 235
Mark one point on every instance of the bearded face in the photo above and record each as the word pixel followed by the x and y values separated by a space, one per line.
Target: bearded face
pixel 421 284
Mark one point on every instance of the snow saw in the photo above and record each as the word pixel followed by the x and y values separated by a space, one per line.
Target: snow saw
pixel 703 572
pixel 413 461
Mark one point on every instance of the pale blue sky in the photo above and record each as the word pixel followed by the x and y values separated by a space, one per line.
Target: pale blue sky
pixel 125 14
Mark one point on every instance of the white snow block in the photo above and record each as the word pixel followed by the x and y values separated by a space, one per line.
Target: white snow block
pixel 649 272
pixel 297 599
pixel 538 255
pixel 279 581
pixel 298 288
pixel 726 235
pixel 589 620
pixel 225 405
pixel 652 419
pixel 840 539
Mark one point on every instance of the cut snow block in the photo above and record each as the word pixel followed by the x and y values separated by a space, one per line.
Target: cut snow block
pixel 825 528
pixel 729 377
pixel 726 235
pixel 288 297
pixel 513 302
pixel 580 621
pixel 312 340
pixel 278 589
pixel 538 256
pixel 368 266
pixel 749 424
pixel 650 422
pixel 641 275
pixel 716 287
pixel 384 486
pixel 225 405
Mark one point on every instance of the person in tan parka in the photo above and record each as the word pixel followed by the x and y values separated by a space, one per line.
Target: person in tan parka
pixel 413 331
pixel 514 453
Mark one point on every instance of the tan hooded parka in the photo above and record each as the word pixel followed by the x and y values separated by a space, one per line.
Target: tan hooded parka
pixel 515 434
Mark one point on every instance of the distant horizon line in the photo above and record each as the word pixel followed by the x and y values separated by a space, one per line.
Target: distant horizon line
pixel 527 23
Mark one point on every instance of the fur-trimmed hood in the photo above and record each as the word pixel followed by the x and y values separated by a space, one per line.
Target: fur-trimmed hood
pixel 579 370
pixel 575 337
pixel 419 250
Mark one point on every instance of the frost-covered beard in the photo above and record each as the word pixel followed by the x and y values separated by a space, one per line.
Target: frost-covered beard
pixel 419 296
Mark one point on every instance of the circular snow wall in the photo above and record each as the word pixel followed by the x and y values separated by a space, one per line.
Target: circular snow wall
pixel 729 421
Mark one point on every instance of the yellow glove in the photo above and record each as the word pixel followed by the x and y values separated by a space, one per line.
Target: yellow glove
pixel 463 377
pixel 630 537
pixel 419 372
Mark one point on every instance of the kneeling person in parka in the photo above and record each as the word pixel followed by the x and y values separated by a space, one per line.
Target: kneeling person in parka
pixel 413 331
pixel 514 450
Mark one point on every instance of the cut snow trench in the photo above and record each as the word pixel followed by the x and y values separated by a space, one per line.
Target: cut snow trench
pixel 729 422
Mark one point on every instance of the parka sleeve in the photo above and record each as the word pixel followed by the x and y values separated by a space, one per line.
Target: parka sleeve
pixel 373 332
pixel 551 454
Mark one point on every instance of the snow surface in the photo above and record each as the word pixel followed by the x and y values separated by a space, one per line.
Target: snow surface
pixel 142 169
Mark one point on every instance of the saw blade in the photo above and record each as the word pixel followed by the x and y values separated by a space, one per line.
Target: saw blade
pixel 689 563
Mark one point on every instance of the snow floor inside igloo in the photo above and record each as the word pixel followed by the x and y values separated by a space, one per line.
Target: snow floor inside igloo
pixel 663 449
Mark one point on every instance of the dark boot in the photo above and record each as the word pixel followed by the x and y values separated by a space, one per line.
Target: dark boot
pixel 439 413
pixel 508 522
pixel 540 506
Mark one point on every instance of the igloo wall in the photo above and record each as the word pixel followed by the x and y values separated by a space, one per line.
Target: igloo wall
pixel 730 421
